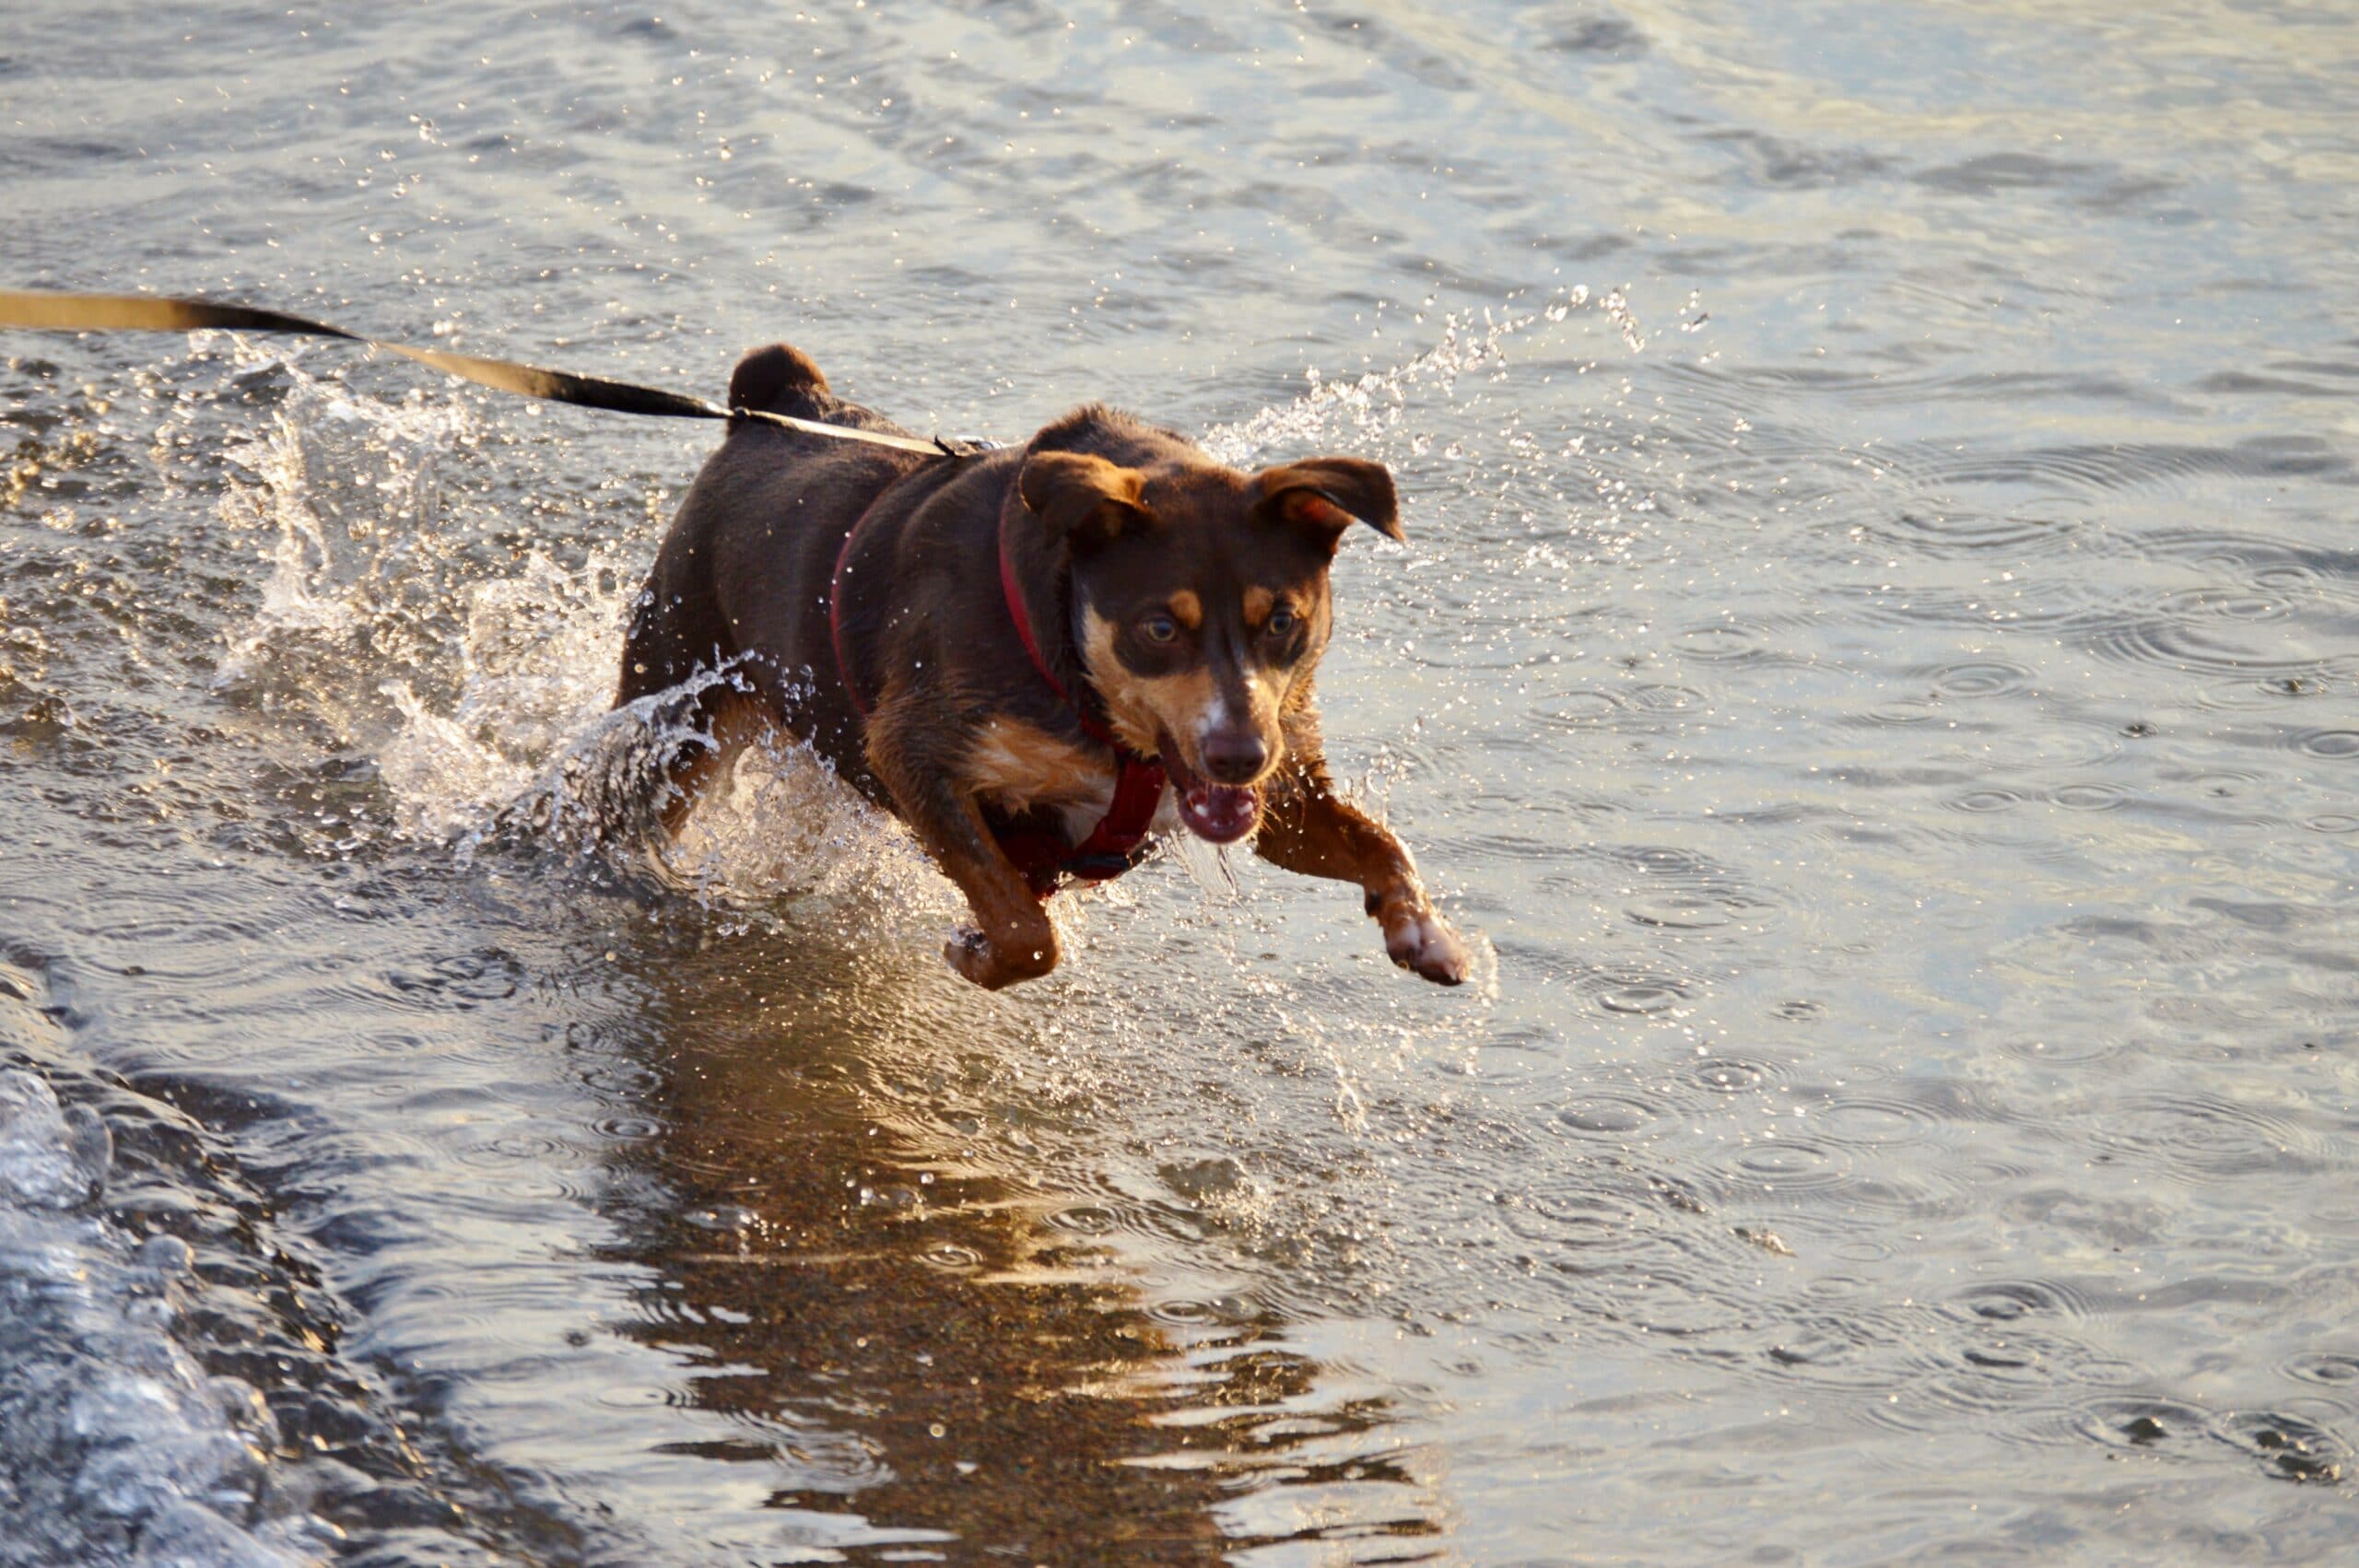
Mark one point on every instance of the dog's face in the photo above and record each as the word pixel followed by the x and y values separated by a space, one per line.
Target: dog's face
pixel 1201 603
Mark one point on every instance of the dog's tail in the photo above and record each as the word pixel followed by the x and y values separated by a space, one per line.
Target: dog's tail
pixel 782 380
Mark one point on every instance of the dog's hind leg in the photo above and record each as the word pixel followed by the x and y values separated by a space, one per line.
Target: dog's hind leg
pixel 1307 828
pixel 1015 941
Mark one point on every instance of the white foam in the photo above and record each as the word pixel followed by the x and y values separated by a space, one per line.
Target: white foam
pixel 115 1446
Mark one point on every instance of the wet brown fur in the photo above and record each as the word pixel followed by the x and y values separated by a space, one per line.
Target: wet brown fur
pixel 1112 522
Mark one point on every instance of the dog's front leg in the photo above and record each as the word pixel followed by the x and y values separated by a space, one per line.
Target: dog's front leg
pixel 1307 828
pixel 1016 941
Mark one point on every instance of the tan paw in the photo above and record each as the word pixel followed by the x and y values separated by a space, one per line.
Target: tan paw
pixel 1417 938
pixel 993 966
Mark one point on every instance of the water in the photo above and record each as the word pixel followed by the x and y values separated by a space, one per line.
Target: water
pixel 1872 668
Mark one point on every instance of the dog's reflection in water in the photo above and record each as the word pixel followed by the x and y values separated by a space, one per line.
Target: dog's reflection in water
pixel 888 1309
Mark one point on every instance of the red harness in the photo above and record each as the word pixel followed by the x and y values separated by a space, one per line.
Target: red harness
pixel 1042 855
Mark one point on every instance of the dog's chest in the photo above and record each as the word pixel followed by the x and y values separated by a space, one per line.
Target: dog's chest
pixel 1020 767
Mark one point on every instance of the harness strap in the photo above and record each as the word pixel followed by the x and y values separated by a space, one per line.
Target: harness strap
pixel 1042 855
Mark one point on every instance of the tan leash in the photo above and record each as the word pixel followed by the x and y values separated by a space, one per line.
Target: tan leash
pixel 154 313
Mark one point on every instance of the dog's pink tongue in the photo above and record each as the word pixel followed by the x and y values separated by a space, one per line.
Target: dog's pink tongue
pixel 1222 813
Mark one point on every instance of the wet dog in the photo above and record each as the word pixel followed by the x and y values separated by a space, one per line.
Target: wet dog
pixel 1037 658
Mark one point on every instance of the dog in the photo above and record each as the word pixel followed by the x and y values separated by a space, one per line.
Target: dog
pixel 1040 658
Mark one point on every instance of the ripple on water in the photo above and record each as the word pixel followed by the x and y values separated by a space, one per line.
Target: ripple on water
pixel 2332 1369
pixel 1673 867
pixel 1583 1226
pixel 1637 991
pixel 2223 604
pixel 2090 797
pixel 1730 1075
pixel 2147 642
pixel 1840 1352
pixel 1897 714
pixel 1678 912
pixel 1872 1121
pixel 511 1147
pixel 2142 1424
pixel 2199 1138
pixel 1183 1312
pixel 1961 534
pixel 624 1079
pixel 2332 745
pixel 1721 643
pixel 460 979
pixel 1610 1113
pixel 951 1257
pixel 2013 1301
pixel 1085 1219
pixel 1661 697
pixel 2286 1448
pixel 1781 1167
pixel 2247 695
pixel 1681 890
pixel 1980 678
pixel 1578 709
pixel 2291 579
pixel 1672 1304
pixel 1986 1379
pixel 1984 802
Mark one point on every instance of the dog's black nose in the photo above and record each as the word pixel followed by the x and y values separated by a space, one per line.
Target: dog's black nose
pixel 1234 756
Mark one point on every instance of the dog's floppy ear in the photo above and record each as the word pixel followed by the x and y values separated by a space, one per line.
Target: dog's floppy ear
pixel 1082 500
pixel 1322 494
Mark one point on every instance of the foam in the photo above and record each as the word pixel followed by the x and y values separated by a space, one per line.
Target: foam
pixel 115 1446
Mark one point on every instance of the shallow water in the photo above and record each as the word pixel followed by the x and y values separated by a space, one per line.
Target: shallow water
pixel 1873 664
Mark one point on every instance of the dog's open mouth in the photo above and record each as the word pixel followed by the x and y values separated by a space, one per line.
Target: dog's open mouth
pixel 1222 814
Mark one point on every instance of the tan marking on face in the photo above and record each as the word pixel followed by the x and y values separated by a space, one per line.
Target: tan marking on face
pixel 1019 766
pixel 1259 603
pixel 1187 609
pixel 1187 707
pixel 1141 707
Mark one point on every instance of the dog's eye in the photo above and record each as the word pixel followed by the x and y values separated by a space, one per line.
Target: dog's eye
pixel 1159 629
pixel 1280 622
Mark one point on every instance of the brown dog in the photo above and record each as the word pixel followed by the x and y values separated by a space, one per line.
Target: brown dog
pixel 1016 650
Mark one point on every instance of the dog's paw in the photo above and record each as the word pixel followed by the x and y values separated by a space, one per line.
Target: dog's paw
pixel 992 965
pixel 1418 939
pixel 969 952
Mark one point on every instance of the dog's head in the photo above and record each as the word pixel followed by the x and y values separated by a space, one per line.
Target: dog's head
pixel 1200 603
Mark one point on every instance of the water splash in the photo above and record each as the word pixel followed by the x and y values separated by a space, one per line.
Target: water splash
pixel 1376 407
pixel 482 698
pixel 113 1437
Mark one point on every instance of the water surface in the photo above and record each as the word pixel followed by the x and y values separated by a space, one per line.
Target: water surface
pixel 1872 667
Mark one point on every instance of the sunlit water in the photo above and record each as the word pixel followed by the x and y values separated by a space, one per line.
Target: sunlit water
pixel 1873 668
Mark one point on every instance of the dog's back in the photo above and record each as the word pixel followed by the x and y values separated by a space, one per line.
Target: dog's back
pixel 741 580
